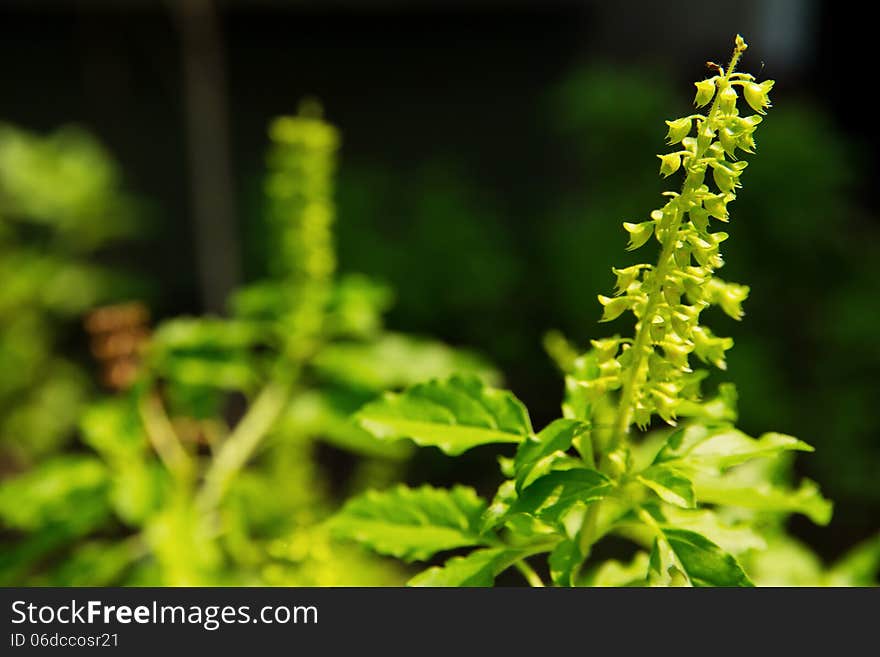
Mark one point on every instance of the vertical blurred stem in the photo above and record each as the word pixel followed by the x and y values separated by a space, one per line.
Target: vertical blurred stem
pixel 163 437
pixel 204 88
pixel 238 448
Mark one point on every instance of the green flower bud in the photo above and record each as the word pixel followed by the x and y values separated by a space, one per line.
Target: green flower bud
pixel 672 293
pixel 729 296
pixel 716 206
pixel 609 368
pixel 705 91
pixel 669 163
pixel 614 307
pixel 606 349
pixel 642 416
pixel 677 354
pixel 709 348
pixel 727 140
pixel 684 319
pixel 746 142
pixel 757 95
pixel 725 178
pixel 666 404
pixel 678 130
pixel 700 218
pixel 727 100
pixel 638 233
pixel 626 277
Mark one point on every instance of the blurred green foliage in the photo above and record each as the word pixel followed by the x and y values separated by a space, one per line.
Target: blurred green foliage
pixel 207 470
pixel 61 203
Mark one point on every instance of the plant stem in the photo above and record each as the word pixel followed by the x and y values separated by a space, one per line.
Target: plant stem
pixel 163 437
pixel 529 573
pixel 242 442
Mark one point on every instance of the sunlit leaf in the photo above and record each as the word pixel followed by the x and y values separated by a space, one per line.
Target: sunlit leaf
pixel 671 486
pixel 454 415
pixel 536 452
pixel 703 562
pixel 550 496
pixel 479 568
pixel 765 496
pixel 703 447
pixel 412 524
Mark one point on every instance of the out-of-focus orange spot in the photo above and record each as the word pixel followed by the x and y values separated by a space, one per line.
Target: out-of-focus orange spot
pixel 119 334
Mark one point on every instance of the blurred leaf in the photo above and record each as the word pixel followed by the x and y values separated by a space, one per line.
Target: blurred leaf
pixel 784 562
pixel 206 353
pixel 113 429
pixel 733 536
pixel 617 573
pixel 860 566
pixel 356 306
pixel 729 490
pixel 95 563
pixel 203 334
pixel 66 490
pixel 395 360
pixel 65 180
pixel 319 414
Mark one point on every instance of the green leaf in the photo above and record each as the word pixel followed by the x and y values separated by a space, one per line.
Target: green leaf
pixel 535 455
pixel 499 507
pixel 616 573
pixel 454 415
pixel 734 537
pixel 550 496
pixel 412 524
pixel 704 563
pixel 564 561
pixel 671 486
pixel 394 361
pixel 699 446
pixel 479 568
pixel 764 496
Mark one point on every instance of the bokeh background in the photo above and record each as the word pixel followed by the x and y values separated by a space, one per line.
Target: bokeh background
pixel 490 151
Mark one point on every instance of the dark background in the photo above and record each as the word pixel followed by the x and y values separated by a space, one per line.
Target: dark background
pixel 474 140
